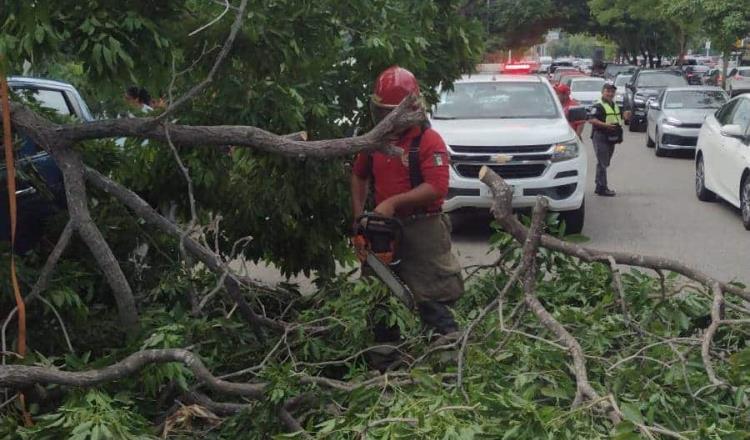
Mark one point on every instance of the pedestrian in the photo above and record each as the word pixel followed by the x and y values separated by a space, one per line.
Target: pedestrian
pixel 606 131
pixel 563 93
pixel 138 98
pixel 412 189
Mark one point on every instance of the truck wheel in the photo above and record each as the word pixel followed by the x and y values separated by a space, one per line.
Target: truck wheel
pixel 573 219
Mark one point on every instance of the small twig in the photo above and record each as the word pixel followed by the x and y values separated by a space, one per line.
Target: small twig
pixel 219 61
pixel 62 324
pixel 210 23
pixel 620 291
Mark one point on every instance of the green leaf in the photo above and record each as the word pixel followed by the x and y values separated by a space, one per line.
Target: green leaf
pixel 631 413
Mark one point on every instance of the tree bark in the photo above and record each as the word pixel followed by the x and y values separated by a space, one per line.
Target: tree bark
pixel 75 190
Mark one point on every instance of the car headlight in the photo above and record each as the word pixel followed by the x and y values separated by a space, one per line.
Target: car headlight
pixel 673 121
pixel 565 151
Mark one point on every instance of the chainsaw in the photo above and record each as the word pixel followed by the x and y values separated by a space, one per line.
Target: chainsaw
pixel 379 237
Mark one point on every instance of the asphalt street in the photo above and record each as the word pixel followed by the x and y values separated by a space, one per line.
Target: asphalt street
pixel 655 213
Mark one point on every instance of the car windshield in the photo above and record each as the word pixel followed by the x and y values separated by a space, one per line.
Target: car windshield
pixel 660 80
pixel 588 85
pixel 496 100
pixel 695 99
pixel 621 80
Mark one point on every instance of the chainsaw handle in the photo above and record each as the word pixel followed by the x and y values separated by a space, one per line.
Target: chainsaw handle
pixel 369 217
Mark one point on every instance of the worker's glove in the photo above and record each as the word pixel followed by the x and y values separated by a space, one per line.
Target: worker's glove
pixel 360 247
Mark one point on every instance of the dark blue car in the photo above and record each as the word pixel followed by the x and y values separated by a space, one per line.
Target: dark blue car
pixel 39 183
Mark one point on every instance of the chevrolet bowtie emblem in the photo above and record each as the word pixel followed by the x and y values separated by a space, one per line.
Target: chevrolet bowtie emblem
pixel 501 158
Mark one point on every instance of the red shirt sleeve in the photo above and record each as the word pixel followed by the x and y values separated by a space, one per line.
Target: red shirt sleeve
pixel 362 165
pixel 435 161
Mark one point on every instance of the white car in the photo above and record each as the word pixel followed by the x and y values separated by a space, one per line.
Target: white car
pixel 515 125
pixel 586 90
pixel 722 159
pixel 676 116
pixel 738 80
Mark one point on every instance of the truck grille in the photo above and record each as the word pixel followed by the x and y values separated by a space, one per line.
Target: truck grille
pixel 519 161
pixel 521 171
pixel 494 150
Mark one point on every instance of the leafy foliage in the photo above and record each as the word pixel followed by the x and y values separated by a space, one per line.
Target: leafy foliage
pixel 517 378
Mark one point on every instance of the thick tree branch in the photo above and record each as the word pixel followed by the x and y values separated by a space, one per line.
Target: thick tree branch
pixel 503 211
pixel 47 134
pixel 211 260
pixel 75 191
pixel 21 376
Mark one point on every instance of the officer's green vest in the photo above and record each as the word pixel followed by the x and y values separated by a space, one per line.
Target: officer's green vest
pixel 612 113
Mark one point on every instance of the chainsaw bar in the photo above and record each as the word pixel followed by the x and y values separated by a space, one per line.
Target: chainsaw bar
pixel 394 283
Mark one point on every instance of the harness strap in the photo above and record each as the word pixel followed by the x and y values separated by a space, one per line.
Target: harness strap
pixel 415 168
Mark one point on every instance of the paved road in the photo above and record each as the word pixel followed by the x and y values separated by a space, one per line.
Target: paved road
pixel 655 213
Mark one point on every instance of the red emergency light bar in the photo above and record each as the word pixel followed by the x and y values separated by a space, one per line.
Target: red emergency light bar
pixel 518 68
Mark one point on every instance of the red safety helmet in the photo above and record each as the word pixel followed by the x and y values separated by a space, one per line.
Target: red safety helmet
pixel 393 85
pixel 562 89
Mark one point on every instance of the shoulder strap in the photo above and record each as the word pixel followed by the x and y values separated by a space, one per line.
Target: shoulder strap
pixel 415 165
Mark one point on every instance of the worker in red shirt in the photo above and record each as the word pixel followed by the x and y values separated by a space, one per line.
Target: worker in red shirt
pixel 415 196
pixel 563 93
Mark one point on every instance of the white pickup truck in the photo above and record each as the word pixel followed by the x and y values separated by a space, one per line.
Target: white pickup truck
pixel 515 125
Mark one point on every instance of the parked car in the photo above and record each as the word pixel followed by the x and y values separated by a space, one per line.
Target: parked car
pixel 557 64
pixel 515 125
pixel 620 82
pixel 560 71
pixel 645 84
pixel 586 90
pixel 675 117
pixel 567 77
pixel 612 70
pixel 722 160
pixel 39 184
pixel 694 74
pixel 738 80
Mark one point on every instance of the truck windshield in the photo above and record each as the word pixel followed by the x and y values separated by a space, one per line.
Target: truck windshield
pixel 695 99
pixel 660 80
pixel 496 100
pixel 588 85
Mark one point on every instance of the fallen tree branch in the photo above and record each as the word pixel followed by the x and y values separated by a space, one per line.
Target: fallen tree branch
pixel 531 246
pixel 20 376
pixel 50 135
pixel 503 211
pixel 708 336
pixel 201 253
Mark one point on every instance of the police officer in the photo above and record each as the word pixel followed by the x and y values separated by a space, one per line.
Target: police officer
pixel 606 120
pixel 427 265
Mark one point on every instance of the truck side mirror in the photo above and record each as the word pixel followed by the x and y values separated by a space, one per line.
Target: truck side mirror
pixel 576 114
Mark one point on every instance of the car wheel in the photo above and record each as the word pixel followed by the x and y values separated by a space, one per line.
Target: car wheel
pixel 745 203
pixel 703 193
pixel 573 219
pixel 649 141
pixel 658 151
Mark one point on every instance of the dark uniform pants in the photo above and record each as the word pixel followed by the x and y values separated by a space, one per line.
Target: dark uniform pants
pixel 604 151
pixel 431 271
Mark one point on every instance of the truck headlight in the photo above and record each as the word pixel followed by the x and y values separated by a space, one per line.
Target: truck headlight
pixel 673 122
pixel 565 151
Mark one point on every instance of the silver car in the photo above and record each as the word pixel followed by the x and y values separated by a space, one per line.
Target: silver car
pixel 676 115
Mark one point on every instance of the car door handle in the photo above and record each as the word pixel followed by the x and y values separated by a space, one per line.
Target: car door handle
pixel 26 191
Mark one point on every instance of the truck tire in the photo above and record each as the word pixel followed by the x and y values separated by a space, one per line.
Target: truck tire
pixel 573 219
